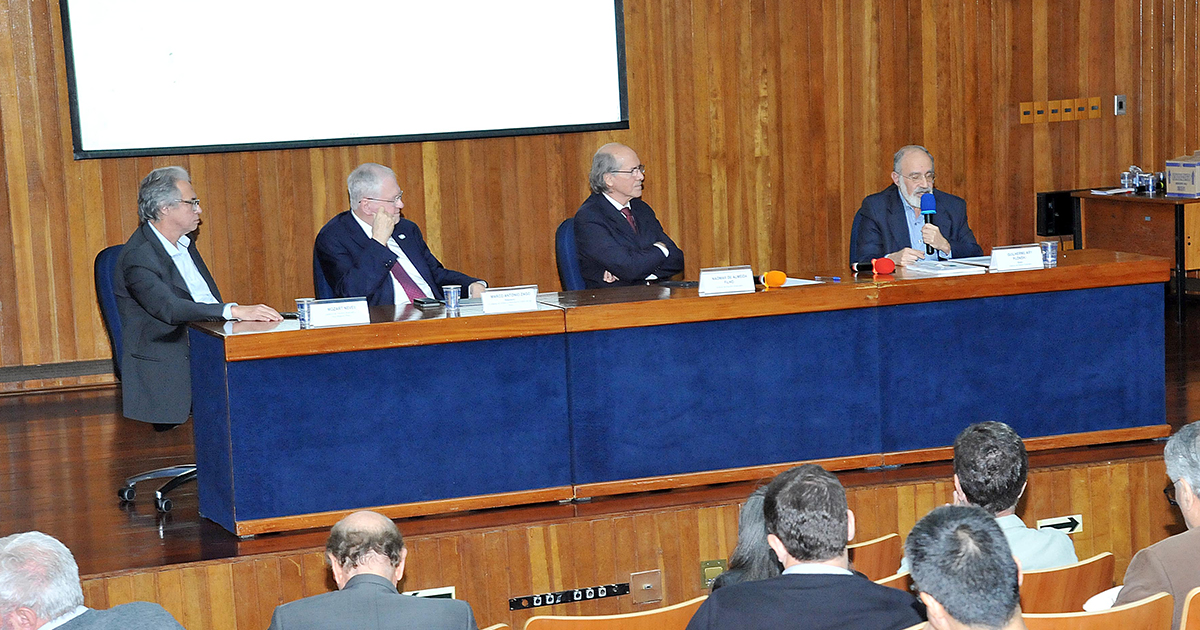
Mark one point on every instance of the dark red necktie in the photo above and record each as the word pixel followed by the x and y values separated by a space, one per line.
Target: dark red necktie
pixel 406 282
pixel 629 217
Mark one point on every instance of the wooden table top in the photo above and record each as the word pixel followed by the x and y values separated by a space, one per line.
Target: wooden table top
pixel 1138 197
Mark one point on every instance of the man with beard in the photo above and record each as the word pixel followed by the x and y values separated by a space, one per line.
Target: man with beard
pixel 890 221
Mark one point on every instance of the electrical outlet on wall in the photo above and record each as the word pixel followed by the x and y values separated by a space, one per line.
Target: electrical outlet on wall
pixel 1119 105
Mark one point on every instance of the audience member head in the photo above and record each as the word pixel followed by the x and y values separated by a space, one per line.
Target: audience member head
pixel 1182 457
pixel 964 570
pixel 752 559
pixel 159 190
pixel 365 542
pixel 616 170
pixel 39 580
pixel 990 467
pixel 807 518
pixel 912 172
pixel 367 180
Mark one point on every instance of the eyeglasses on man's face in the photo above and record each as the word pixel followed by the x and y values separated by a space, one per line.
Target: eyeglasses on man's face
pixel 917 178
pixel 394 201
pixel 1169 492
pixel 194 202
pixel 640 168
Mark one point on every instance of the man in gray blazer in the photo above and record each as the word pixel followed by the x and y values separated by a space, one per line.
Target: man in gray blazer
pixel 366 553
pixel 39 586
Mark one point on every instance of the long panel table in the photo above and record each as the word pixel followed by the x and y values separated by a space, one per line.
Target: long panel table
pixel 641 388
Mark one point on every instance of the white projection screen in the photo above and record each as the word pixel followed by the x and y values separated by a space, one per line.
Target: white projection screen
pixel 161 77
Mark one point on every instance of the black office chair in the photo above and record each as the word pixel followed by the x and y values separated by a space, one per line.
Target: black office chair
pixel 320 285
pixel 567 256
pixel 854 237
pixel 106 267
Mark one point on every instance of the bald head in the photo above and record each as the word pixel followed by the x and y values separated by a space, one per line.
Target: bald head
pixel 365 542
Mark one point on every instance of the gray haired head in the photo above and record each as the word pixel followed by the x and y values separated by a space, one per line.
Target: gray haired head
pixel 366 181
pixel 1182 456
pixel 158 190
pixel 38 572
pixel 603 163
pixel 905 150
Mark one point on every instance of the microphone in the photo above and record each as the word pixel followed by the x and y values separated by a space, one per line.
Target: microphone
pixel 773 279
pixel 877 265
pixel 928 209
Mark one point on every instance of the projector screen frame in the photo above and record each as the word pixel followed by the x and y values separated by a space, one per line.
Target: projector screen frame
pixel 81 154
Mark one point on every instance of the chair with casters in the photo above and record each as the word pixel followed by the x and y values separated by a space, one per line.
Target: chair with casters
pixel 1151 613
pixel 901 581
pixel 1190 619
pixel 570 276
pixel 106 268
pixel 877 558
pixel 674 617
pixel 1065 589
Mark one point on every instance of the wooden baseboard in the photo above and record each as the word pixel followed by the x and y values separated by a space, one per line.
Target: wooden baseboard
pixel 1049 442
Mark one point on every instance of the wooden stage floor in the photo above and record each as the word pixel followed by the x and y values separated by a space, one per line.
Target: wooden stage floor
pixel 66 453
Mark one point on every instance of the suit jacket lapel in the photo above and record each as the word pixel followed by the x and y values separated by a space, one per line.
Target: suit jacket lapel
pixel 164 259
pixel 898 218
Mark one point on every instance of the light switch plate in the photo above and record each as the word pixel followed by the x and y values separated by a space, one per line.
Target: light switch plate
pixel 709 570
pixel 645 587
pixel 1119 105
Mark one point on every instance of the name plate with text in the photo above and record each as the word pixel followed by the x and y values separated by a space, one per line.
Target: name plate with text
pixel 510 299
pixel 339 312
pixel 1016 258
pixel 726 280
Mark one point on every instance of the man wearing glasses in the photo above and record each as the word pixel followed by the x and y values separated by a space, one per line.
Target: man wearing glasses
pixel 161 284
pixel 620 241
pixel 372 251
pixel 891 224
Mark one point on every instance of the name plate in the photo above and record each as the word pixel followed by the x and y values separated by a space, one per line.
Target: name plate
pixel 510 299
pixel 1016 258
pixel 726 280
pixel 338 312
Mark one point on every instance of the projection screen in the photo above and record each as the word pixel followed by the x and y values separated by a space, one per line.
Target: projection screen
pixel 160 77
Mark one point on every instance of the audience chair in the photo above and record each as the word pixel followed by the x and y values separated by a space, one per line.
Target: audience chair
pixel 570 276
pixel 106 268
pixel 1065 589
pixel 876 558
pixel 675 617
pixel 1190 620
pixel 901 581
pixel 499 626
pixel 1152 613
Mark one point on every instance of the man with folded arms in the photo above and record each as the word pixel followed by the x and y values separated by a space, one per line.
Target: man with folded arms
pixel 808 526
pixel 372 251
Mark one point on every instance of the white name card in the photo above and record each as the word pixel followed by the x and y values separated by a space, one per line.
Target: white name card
pixel 1016 258
pixel 510 299
pixel 338 312
pixel 726 280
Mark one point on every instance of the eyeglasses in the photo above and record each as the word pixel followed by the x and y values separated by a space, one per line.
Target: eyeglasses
pixel 640 168
pixel 917 177
pixel 1169 492
pixel 394 201
pixel 195 203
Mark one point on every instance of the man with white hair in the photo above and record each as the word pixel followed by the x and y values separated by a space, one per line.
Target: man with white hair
pixel 1172 565
pixel 39 588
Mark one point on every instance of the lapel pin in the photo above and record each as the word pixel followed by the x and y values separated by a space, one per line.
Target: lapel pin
pixel 402 237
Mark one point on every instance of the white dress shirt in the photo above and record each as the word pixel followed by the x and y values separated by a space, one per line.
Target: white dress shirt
pixel 404 262
pixel 196 285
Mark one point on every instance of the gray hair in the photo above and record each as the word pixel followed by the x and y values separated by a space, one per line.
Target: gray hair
pixel 905 150
pixel 39 573
pixel 158 190
pixel 366 180
pixel 603 163
pixel 351 542
pixel 1182 456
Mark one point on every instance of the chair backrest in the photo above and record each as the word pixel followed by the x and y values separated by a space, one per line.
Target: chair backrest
pixel 877 558
pixel 106 270
pixel 901 581
pixel 320 286
pixel 499 626
pixel 570 276
pixel 675 617
pixel 854 237
pixel 1152 613
pixel 1190 620
pixel 1065 589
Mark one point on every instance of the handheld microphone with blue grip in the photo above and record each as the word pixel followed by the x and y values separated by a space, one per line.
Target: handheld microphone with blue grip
pixel 928 209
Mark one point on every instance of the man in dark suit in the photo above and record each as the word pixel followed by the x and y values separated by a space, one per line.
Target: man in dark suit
pixel 620 241
pixel 372 251
pixel 40 587
pixel 965 571
pixel 808 526
pixel 366 553
pixel 1172 565
pixel 161 284
pixel 890 221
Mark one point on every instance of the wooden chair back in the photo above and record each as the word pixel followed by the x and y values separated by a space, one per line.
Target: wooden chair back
pixel 902 581
pixel 877 558
pixel 1190 620
pixel 1065 589
pixel 675 617
pixel 1151 613
pixel 499 626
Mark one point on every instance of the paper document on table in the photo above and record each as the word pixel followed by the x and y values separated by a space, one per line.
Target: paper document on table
pixel 978 261
pixel 1112 191
pixel 799 282
pixel 939 269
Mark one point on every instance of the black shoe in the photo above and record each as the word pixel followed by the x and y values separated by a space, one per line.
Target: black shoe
pixel 159 427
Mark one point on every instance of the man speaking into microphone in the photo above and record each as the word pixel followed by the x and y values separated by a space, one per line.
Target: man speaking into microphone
pixel 891 223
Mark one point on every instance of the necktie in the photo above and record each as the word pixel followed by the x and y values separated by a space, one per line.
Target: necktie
pixel 629 217
pixel 406 282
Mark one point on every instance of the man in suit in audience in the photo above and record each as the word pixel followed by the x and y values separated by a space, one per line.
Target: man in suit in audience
pixel 808 525
pixel 966 575
pixel 890 221
pixel 991 468
pixel 366 553
pixel 372 251
pixel 619 239
pixel 39 588
pixel 161 284
pixel 1173 565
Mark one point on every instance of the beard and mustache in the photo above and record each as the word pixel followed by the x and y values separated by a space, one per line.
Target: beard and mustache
pixel 914 200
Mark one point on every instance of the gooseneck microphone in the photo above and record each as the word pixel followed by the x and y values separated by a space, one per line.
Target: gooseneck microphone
pixel 877 265
pixel 928 209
